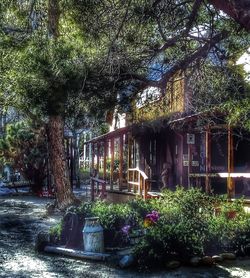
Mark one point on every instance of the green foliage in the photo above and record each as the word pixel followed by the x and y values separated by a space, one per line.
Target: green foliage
pixel 191 223
pixel 41 76
pixel 229 228
pixel 85 209
pixel 24 148
pixel 142 208
pixel 188 226
pixel 115 216
pixel 55 232
pixel 238 112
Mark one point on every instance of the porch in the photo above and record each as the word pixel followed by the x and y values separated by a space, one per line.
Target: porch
pixel 130 162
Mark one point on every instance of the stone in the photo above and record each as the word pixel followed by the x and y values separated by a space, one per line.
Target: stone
pixel 207 260
pixel 217 258
pixel 42 239
pixel 173 264
pixel 194 261
pixel 228 256
pixel 50 208
pixel 126 261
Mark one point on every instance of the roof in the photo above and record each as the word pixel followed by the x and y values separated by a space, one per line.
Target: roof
pixel 109 135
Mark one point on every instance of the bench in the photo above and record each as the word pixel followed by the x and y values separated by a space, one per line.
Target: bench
pixel 18 184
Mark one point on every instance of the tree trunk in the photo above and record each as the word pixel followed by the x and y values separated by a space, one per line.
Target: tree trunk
pixel 239 10
pixel 63 190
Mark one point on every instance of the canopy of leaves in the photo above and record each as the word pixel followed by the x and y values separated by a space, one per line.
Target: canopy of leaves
pixel 107 47
pixel 149 41
pixel 43 77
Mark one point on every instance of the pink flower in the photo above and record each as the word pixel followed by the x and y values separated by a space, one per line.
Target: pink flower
pixel 152 217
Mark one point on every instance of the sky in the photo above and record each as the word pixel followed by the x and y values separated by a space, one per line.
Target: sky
pixel 245 59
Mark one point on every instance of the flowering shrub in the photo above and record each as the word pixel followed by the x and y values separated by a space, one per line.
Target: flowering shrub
pixel 180 224
pixel 151 219
pixel 188 226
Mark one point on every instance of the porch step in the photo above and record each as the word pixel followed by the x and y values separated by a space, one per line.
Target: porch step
pixel 154 194
pixel 133 183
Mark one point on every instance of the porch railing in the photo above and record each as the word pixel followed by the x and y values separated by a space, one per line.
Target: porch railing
pixel 138 182
pixel 95 190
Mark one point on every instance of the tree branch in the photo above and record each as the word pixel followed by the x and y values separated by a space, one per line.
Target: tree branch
pixel 201 52
pixel 191 18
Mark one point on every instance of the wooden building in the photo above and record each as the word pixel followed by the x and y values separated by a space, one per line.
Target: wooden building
pixel 161 133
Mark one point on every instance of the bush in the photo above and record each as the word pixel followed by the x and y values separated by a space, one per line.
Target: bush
pixel 179 225
pixel 229 229
pixel 188 226
pixel 114 216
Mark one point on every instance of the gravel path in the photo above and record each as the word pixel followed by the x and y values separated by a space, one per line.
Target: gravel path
pixel 22 217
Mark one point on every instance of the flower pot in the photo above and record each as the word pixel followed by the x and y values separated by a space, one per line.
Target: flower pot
pixel 231 214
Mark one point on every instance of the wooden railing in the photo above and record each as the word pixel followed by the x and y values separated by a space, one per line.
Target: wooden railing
pixel 95 190
pixel 138 182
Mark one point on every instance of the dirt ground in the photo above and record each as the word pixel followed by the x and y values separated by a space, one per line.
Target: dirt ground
pixel 21 218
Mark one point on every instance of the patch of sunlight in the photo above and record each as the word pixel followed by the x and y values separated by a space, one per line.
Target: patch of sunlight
pixel 27 264
pixel 237 271
pixel 245 61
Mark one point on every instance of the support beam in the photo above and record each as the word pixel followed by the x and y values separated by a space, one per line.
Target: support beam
pixel 208 160
pixel 189 163
pixel 230 164
pixel 98 159
pixel 84 150
pixel 105 160
pixel 129 164
pixel 112 147
pixel 92 147
pixel 121 162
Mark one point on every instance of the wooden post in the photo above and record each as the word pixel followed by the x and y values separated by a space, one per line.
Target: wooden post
pixel 72 160
pixel 129 159
pixel 103 190
pixel 112 163
pixel 92 157
pixel 230 164
pixel 145 188
pixel 189 163
pixel 98 159
pixel 84 150
pixel 121 163
pixel 208 160
pixel 92 190
pixel 129 151
pixel 105 160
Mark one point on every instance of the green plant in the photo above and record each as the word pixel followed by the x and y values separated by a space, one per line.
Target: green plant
pixel 114 216
pixel 55 232
pixel 188 226
pixel 229 233
pixel 141 207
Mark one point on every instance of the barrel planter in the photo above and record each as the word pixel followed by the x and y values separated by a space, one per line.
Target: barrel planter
pixel 93 235
pixel 114 238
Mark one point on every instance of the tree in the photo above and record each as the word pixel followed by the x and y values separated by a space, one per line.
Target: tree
pixel 46 66
pixel 98 49
pixel 149 42
pixel 24 148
